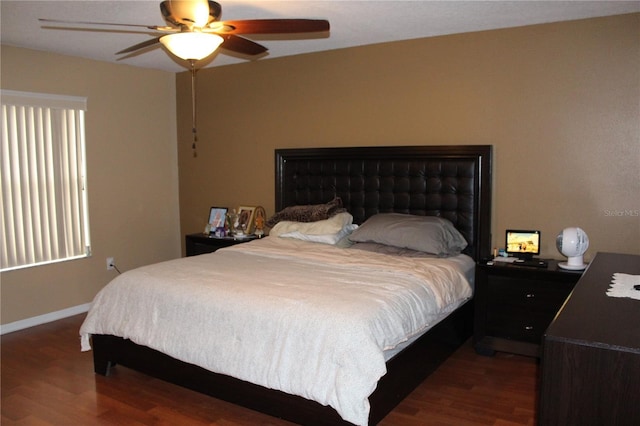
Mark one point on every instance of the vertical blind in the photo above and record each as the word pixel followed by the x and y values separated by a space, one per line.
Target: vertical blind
pixel 43 179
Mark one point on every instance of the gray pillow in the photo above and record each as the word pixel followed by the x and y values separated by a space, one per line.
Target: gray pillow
pixel 429 234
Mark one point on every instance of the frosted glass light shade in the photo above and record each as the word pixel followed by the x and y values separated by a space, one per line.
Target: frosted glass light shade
pixel 191 45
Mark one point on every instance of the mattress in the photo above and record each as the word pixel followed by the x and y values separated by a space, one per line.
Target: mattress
pixel 309 319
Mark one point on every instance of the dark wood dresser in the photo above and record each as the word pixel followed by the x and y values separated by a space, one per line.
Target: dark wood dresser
pixel 591 352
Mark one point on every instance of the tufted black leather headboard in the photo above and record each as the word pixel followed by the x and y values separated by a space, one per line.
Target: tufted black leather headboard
pixel 453 182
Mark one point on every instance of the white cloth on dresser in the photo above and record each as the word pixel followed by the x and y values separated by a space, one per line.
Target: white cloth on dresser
pixel 622 285
pixel 308 319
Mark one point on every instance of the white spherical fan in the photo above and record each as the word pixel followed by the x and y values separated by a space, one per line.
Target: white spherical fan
pixel 572 243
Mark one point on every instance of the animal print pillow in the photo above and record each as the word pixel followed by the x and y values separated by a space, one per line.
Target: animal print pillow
pixel 308 213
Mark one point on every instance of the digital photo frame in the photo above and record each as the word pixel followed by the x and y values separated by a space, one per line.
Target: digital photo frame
pixel 523 244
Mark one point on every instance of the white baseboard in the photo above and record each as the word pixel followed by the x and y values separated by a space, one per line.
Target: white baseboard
pixel 43 319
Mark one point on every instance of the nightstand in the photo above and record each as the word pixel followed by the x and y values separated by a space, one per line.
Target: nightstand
pixel 515 304
pixel 200 243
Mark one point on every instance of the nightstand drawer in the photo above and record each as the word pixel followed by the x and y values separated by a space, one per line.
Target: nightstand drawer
pixel 526 326
pixel 524 294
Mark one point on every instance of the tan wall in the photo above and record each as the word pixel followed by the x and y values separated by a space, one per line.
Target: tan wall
pixel 132 176
pixel 559 103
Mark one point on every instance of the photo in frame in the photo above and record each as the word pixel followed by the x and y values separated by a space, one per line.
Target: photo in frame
pixel 217 218
pixel 244 220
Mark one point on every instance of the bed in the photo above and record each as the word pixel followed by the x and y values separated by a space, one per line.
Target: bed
pixel 450 182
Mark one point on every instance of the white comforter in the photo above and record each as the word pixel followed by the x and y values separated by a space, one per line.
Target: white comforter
pixel 305 318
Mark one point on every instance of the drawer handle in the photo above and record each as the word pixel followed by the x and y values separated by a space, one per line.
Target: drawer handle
pixel 530 295
pixel 528 327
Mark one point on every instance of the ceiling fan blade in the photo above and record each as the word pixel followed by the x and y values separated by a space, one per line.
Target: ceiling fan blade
pixel 241 45
pixel 150 27
pixel 139 46
pixel 274 26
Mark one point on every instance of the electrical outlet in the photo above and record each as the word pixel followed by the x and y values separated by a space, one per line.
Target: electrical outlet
pixel 110 264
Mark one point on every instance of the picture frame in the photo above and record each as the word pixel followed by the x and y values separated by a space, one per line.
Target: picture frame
pixel 217 218
pixel 245 218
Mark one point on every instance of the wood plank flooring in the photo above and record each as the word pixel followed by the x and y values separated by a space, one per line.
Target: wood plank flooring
pixel 46 380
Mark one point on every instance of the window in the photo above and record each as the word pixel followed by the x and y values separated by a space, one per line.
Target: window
pixel 43 180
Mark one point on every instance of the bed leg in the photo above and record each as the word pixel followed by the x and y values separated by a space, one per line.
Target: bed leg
pixel 102 367
pixel 104 353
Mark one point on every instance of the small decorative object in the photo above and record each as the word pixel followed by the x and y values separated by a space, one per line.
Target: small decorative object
pixel 231 220
pixel 260 218
pixel 572 243
pixel 243 223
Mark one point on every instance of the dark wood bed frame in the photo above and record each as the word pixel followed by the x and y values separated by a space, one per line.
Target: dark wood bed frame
pixel 448 181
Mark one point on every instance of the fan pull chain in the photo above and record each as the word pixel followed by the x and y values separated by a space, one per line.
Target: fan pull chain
pixel 193 109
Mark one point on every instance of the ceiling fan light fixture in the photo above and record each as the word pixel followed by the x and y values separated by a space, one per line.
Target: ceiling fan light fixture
pixel 191 45
pixel 201 13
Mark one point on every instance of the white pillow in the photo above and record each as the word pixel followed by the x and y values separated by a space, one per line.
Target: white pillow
pixel 333 239
pixel 329 226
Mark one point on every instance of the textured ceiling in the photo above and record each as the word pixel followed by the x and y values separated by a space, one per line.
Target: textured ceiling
pixel 353 23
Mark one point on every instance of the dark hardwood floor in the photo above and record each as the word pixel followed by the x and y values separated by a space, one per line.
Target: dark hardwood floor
pixel 46 380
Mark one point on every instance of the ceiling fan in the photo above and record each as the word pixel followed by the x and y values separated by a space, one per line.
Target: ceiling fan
pixel 194 31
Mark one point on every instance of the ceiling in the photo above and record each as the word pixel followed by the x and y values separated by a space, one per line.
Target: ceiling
pixel 353 23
